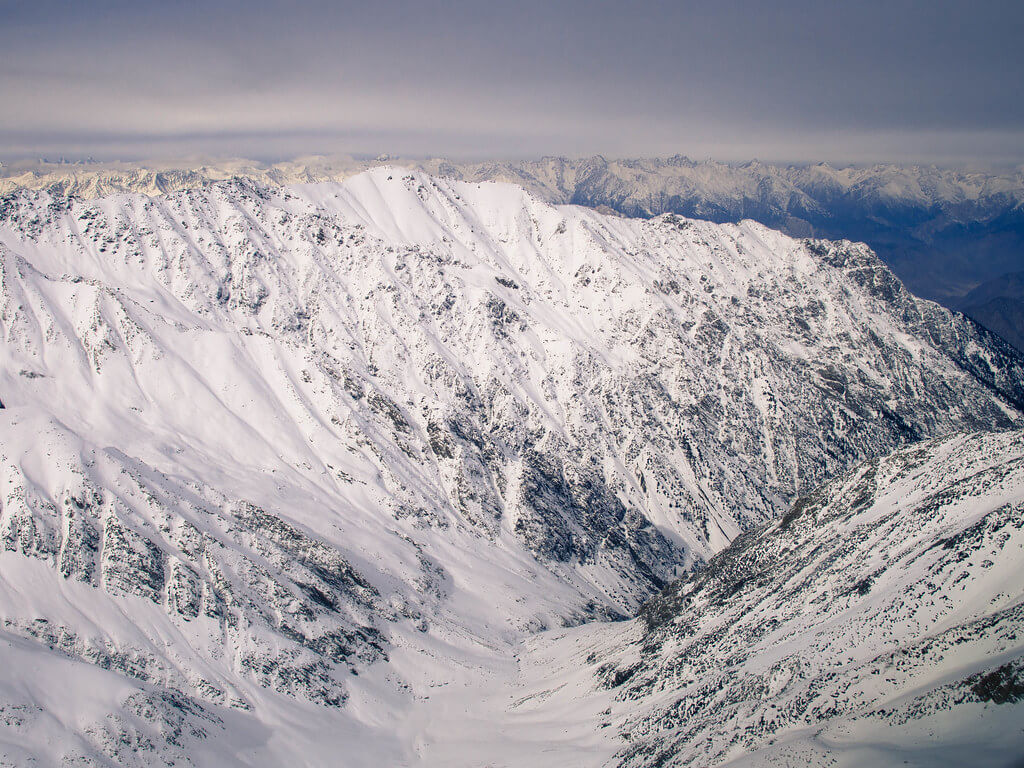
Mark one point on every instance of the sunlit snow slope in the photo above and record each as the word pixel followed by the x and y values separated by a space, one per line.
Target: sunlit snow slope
pixel 276 463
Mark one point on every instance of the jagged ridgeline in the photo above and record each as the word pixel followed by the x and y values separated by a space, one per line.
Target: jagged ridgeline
pixel 943 230
pixel 304 431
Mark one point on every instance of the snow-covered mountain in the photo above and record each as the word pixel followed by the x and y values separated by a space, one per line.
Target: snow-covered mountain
pixel 943 231
pixel 879 622
pixel 278 462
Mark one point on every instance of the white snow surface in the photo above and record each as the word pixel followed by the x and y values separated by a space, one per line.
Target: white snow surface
pixel 296 475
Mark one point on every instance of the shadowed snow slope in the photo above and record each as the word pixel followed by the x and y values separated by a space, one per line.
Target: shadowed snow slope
pixel 277 463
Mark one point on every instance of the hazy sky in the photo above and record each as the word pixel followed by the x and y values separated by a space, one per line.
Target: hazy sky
pixel 786 80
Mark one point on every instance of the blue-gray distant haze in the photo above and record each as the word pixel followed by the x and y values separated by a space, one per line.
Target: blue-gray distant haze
pixel 793 80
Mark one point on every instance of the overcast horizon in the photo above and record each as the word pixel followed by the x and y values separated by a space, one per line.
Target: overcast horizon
pixel 797 82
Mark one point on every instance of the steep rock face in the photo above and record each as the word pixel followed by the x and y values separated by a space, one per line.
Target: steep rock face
pixel 881 620
pixel 321 430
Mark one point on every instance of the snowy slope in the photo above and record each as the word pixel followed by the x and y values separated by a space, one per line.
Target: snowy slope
pixel 880 622
pixel 277 463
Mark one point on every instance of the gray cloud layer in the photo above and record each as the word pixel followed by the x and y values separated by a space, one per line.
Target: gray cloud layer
pixel 789 80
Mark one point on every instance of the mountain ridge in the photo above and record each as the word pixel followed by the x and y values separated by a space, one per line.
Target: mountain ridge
pixel 916 217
